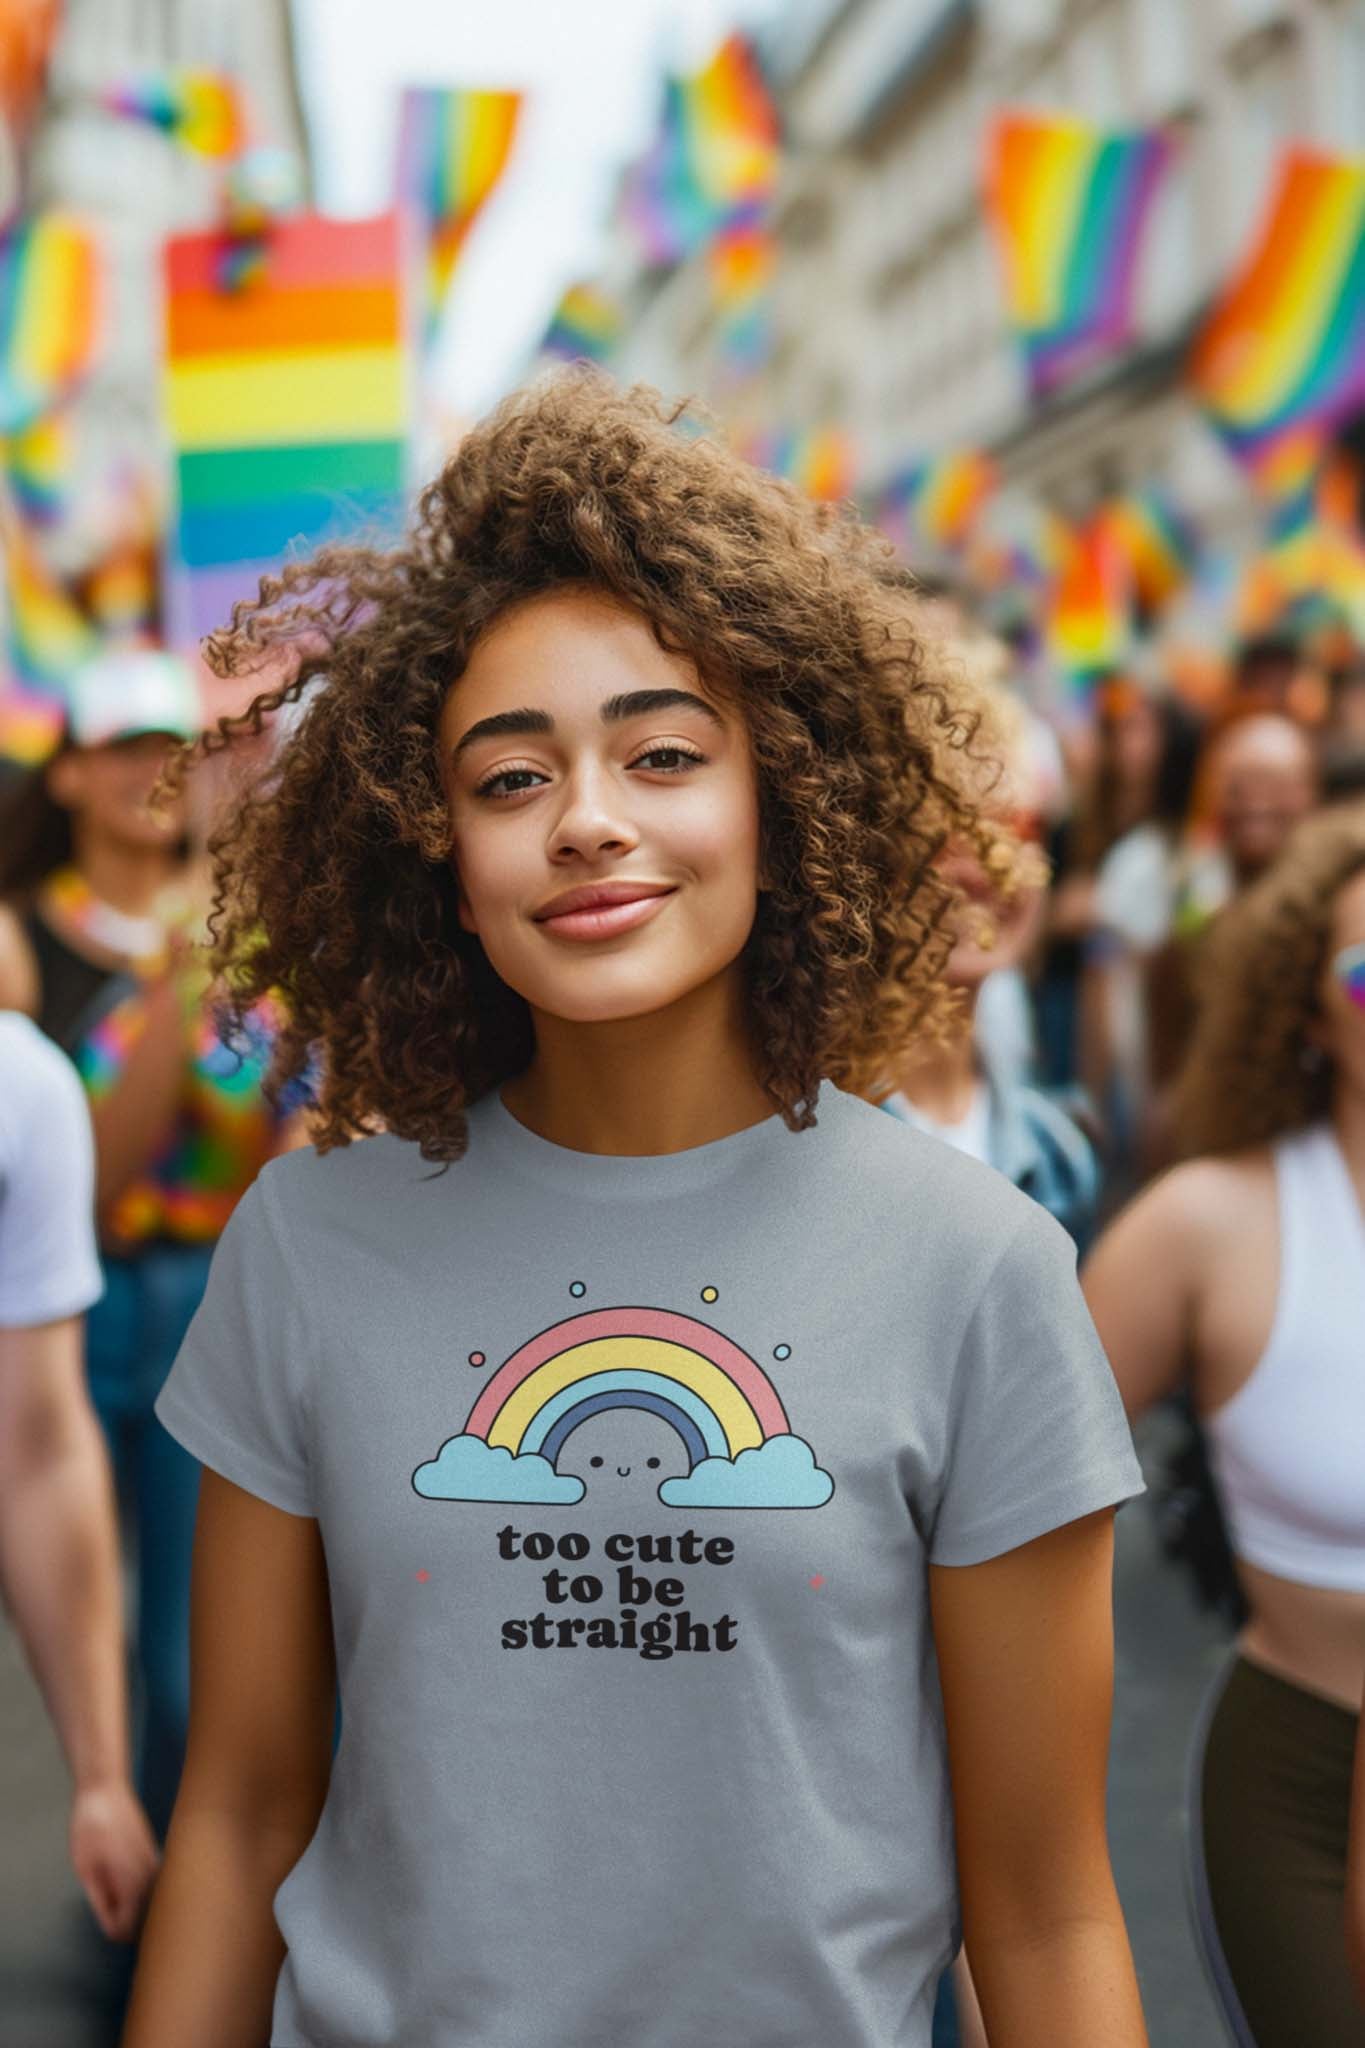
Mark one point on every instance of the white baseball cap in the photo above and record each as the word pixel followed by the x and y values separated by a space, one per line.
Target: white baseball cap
pixel 132 690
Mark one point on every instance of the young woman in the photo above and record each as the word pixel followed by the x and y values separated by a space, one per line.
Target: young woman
pixel 1260 1244
pixel 96 913
pixel 681 1467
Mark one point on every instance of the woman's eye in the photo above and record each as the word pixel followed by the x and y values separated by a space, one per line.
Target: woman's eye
pixel 508 782
pixel 669 760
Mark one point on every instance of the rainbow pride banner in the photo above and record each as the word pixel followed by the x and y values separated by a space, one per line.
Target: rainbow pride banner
pixel 287 402
pixel 51 294
pixel 454 144
pixel 718 151
pixel 1069 203
pixel 820 461
pixel 199 109
pixel 46 637
pixel 1157 542
pixel 741 264
pixel 585 327
pixel 936 503
pixel 1280 364
pixel 38 467
pixel 1089 610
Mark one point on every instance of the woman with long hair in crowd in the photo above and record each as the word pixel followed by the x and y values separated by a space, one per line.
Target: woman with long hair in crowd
pixel 1243 1269
pixel 694 1480
pixel 97 922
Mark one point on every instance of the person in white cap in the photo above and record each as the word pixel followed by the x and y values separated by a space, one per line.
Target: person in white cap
pixel 59 1565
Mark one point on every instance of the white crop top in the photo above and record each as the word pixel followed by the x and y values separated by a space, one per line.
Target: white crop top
pixel 1288 1450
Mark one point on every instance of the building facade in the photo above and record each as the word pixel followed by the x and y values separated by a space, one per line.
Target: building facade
pixel 888 299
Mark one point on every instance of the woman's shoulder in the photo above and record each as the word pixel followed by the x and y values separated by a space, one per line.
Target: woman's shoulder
pixel 953 1201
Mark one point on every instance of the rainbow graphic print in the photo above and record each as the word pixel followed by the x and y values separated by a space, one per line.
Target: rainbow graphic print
pixel 718 1400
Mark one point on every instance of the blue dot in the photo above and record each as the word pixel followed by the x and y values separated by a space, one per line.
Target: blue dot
pixel 577 1287
pixel 782 1351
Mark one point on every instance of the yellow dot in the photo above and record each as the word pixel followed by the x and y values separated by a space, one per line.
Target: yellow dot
pixel 708 1294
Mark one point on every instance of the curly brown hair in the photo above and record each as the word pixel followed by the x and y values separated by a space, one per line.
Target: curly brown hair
pixel 332 876
pixel 1246 1080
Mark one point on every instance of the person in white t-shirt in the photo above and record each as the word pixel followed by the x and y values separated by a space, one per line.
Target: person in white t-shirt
pixel 59 1567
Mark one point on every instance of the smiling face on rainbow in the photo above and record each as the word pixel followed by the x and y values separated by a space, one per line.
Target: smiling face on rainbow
pixel 734 1443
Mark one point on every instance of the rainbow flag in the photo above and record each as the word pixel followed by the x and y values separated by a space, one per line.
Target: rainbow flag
pixel 1088 626
pixel 51 288
pixel 1069 203
pixel 741 263
pixel 585 327
pixel 37 465
pixel 717 152
pixel 1280 364
pixel 820 460
pixel 454 143
pixel 287 403
pixel 937 503
pixel 1157 542
pixel 200 109
pixel 46 637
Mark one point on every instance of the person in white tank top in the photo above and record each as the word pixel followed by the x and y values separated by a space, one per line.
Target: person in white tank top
pixel 1242 1273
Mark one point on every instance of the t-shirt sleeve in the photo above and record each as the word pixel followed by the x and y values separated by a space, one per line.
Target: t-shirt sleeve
pixel 239 1394
pixel 1037 1435
pixel 49 1267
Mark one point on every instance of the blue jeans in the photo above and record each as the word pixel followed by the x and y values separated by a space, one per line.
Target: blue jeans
pixel 132 1335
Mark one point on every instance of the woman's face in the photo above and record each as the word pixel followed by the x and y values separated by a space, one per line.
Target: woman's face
pixel 603 809
pixel 1341 1030
pixel 109 789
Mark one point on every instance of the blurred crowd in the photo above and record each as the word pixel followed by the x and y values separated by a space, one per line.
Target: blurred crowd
pixel 1162 1009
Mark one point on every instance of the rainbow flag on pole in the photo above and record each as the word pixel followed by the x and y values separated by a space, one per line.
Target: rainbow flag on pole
pixel 454 144
pixel 741 264
pixel 1088 628
pixel 717 152
pixel 1157 542
pixel 50 315
pixel 1069 204
pixel 287 402
pixel 1280 364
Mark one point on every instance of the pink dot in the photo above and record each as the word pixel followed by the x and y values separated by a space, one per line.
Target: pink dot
pixel 819 1579
pixel 422 1578
pixel 476 1358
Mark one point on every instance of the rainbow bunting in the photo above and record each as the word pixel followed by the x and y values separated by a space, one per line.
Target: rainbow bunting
pixel 287 403
pixel 586 325
pixel 1069 204
pixel 937 503
pixel 717 152
pixel 50 307
pixel 453 148
pixel 1089 607
pixel 46 638
pixel 1280 364
pixel 741 262
pixel 1156 541
pixel 199 109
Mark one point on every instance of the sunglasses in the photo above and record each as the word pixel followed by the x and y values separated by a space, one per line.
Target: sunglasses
pixel 1348 966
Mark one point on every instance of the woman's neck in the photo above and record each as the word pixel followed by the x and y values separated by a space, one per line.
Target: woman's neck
pixel 128 877
pixel 662 1082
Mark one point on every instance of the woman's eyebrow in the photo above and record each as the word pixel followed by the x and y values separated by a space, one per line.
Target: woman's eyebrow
pixel 629 704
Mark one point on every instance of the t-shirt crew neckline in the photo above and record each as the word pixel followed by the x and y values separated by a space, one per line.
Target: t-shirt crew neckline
pixel 616 1175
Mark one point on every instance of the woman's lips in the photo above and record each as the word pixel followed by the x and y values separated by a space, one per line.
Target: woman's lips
pixel 606 920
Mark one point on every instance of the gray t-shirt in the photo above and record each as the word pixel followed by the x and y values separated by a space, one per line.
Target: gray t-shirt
pixel 629 1472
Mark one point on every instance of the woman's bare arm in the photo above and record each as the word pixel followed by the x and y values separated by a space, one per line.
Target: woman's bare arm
pixel 1141 1283
pixel 262 1709
pixel 1025 1654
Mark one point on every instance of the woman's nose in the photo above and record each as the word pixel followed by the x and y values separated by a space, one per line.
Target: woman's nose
pixel 593 819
